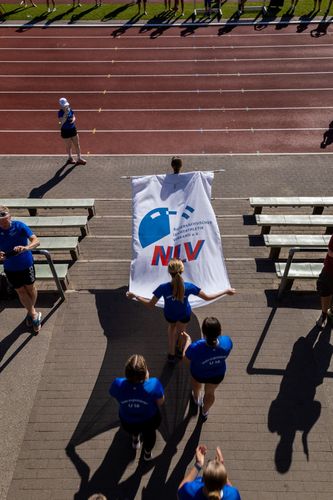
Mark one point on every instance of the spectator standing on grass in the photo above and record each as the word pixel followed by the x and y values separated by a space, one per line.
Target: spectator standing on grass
pixel 176 164
pixel 177 309
pixel 16 242
pixel 214 483
pixel 325 287
pixel 69 133
pixel 24 3
pixel 139 399
pixel 207 362
pixel 48 3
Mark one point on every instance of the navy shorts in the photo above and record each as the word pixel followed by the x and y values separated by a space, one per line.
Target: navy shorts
pixel 20 278
pixel 210 380
pixel 325 284
pixel 67 133
pixel 183 320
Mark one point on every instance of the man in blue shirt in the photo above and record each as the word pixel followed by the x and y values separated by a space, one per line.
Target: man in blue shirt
pixel 16 242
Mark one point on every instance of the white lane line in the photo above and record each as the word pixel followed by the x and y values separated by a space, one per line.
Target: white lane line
pixel 163 131
pixel 177 48
pixel 174 75
pixel 193 91
pixel 168 110
pixel 173 61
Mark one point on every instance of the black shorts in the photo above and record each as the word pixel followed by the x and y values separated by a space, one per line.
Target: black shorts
pixel 325 284
pixel 20 278
pixel 67 133
pixel 211 380
pixel 183 320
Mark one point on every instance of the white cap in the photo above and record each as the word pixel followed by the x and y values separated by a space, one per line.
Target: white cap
pixel 63 102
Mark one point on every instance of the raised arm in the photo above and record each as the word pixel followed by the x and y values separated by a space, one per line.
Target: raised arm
pixel 147 302
pixel 212 296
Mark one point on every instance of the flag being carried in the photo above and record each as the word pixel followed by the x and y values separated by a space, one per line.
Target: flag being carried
pixel 173 218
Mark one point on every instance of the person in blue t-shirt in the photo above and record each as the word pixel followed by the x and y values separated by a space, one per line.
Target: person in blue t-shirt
pixel 177 309
pixel 69 133
pixel 207 362
pixel 16 241
pixel 214 483
pixel 139 399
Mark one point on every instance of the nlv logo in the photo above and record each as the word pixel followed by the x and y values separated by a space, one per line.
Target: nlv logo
pixel 185 252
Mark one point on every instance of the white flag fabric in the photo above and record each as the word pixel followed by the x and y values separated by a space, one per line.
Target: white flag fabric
pixel 173 218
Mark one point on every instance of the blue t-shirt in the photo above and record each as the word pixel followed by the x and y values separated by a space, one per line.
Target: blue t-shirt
pixel 69 124
pixel 137 402
pixel 174 310
pixel 17 235
pixel 207 361
pixel 193 489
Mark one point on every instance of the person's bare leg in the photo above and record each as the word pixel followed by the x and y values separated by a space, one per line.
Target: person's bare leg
pixel 196 389
pixel 172 337
pixel 209 397
pixel 28 299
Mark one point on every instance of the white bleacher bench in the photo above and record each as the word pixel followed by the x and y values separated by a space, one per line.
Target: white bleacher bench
pixel 317 202
pixel 267 221
pixel 44 273
pixel 298 270
pixel 277 241
pixel 74 221
pixel 61 243
pixel 33 204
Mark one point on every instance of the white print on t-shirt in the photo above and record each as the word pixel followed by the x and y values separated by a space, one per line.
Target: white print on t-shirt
pixel 214 361
pixel 134 403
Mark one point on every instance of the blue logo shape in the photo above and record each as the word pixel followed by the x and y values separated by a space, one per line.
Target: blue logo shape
pixel 154 226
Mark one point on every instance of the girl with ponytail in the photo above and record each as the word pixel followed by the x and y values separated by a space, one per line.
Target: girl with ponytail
pixel 214 483
pixel 177 309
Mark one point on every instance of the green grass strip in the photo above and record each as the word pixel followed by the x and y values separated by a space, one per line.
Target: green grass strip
pixel 156 12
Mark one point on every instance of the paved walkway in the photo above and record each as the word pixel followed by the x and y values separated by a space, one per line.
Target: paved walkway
pixel 273 414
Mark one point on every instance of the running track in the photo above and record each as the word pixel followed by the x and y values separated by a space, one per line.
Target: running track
pixel 245 92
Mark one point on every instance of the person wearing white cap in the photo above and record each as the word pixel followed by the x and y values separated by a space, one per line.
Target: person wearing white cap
pixel 69 133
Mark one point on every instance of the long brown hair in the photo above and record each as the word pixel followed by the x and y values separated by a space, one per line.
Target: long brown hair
pixel 214 477
pixel 175 268
pixel 136 369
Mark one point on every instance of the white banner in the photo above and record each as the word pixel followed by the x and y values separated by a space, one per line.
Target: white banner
pixel 173 217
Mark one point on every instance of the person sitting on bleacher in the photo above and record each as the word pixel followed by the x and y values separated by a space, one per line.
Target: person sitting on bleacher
pixel 16 242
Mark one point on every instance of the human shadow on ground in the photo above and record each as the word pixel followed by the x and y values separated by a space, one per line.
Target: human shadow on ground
pixel 49 301
pixel 295 408
pixel 130 328
pixel 327 137
pixel 59 176
pixel 114 13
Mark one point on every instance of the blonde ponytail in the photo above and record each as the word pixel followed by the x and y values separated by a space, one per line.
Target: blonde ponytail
pixel 175 268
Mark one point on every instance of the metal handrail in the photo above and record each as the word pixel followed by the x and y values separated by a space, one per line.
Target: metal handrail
pixel 291 254
pixel 53 270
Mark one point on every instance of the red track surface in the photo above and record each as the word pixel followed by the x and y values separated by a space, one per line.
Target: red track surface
pixel 244 92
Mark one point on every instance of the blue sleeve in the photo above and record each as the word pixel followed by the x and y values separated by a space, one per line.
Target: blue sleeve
pixel 158 292
pixel 226 344
pixel 189 352
pixel 26 229
pixel 193 289
pixel 114 388
pixel 158 389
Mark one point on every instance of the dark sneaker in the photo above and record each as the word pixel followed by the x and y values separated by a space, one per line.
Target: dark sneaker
pixel 28 321
pixel 81 161
pixel 147 456
pixel 37 323
pixel 321 321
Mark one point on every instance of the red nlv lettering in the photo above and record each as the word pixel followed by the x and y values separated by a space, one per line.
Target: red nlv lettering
pixel 193 254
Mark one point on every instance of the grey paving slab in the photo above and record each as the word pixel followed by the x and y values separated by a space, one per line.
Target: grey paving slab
pixel 273 373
